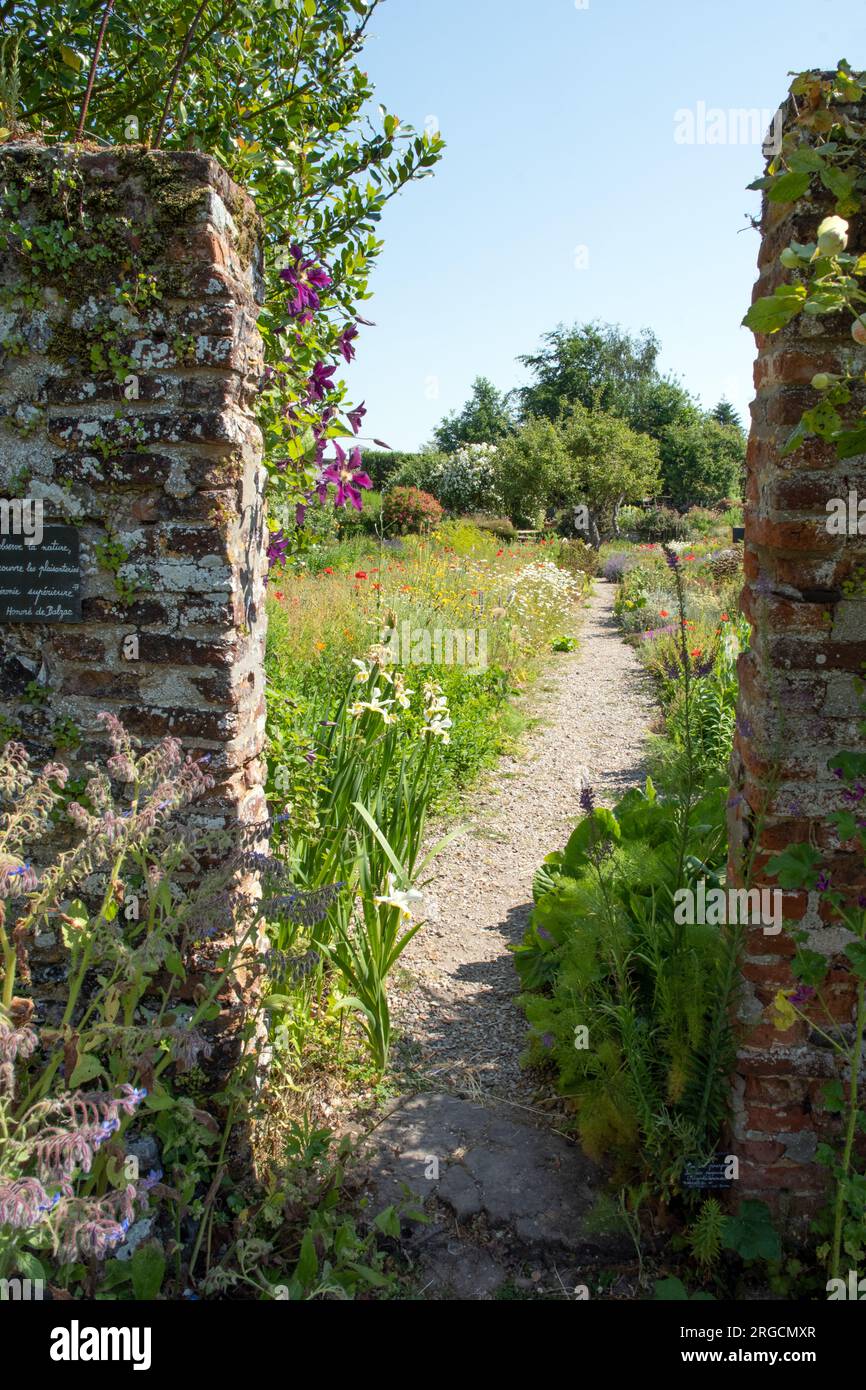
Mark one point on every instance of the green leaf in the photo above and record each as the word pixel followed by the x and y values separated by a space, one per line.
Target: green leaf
pixel 388 1222
pixel 796 867
pixel 774 311
pixel 670 1290
pixel 856 953
pixel 308 1264
pixel 850 443
pixel 751 1233
pixel 809 967
pixel 71 58
pixel 805 160
pixel 86 1069
pixel 148 1270
pixel 851 765
pixel 845 823
pixel 787 188
pixel 28 1266
pixel 595 829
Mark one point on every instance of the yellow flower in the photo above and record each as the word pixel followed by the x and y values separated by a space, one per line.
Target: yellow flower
pixel 784 1013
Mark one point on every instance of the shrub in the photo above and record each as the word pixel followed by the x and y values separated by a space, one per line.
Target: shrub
pixel 465 538
pixel 409 509
pixel 499 526
pixel 363 523
pixel 466 481
pixel 615 567
pixel 661 524
pixel 578 558
pixel 416 470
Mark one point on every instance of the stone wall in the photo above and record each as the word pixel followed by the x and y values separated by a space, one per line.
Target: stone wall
pixel 130 285
pixel 130 362
pixel 806 601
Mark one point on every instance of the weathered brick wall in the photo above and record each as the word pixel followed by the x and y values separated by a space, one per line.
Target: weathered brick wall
pixel 159 456
pixel 130 362
pixel 807 606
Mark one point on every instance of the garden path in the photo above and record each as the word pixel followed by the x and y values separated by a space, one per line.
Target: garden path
pixel 453 1001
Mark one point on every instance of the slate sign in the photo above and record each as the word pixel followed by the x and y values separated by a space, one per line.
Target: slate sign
pixel 699 1176
pixel 41 583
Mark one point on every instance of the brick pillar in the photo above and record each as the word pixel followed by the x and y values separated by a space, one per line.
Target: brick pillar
pixel 128 375
pixel 797 708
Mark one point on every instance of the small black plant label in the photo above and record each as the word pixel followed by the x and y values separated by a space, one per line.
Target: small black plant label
pixel 41 583
pixel 699 1176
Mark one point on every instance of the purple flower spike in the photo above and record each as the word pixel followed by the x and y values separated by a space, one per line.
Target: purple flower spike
pixel 587 800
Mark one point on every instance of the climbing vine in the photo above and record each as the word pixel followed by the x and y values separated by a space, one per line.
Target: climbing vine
pixel 824 143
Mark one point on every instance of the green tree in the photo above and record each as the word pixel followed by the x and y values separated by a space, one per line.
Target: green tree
pixel 484 419
pixel 588 459
pixel 595 365
pixel 606 465
pixel 702 461
pixel 529 469
pixel 724 414
pixel 273 89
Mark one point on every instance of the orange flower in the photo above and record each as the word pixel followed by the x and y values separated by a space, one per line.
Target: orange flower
pixel 663 613
pixel 697 651
pixel 725 618
pixel 320 646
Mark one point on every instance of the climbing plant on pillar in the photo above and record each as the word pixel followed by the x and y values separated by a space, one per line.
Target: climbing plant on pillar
pixel 275 92
pixel 820 162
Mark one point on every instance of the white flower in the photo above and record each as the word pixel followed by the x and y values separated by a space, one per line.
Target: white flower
pixel 400 898
pixel 401 694
pixel 375 705
pixel 438 727
pixel 362 675
pixel 832 236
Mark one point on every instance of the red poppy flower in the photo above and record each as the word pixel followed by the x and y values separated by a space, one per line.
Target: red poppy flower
pixel 663 613
pixel 725 618
pixel 360 574
pixel 328 570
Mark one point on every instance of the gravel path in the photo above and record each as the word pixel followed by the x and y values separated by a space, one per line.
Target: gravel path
pixel 454 998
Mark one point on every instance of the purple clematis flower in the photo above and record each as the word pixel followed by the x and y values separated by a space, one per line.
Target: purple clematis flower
pixel 277 548
pixel 356 416
pixel 322 380
pixel 348 477
pixel 345 342
pixel 306 279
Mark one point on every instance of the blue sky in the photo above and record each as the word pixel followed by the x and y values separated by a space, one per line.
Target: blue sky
pixel 560 123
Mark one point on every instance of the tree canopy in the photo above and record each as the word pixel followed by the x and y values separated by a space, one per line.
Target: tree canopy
pixel 484 419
